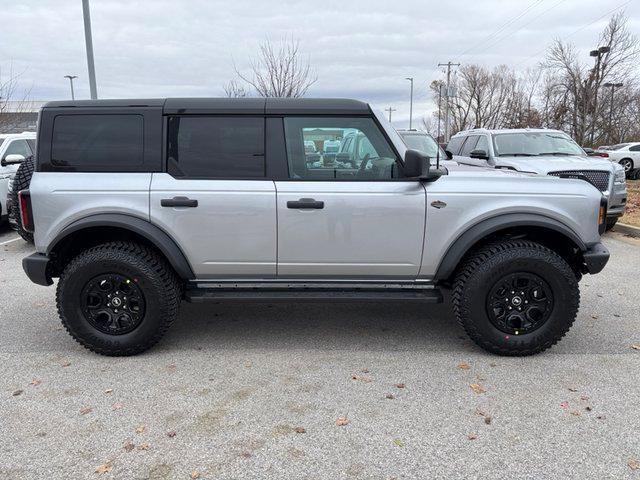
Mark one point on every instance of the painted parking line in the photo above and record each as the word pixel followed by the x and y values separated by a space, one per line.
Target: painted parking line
pixel 9 241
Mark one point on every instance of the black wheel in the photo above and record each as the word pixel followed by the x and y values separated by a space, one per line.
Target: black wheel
pixel 515 297
pixel 627 164
pixel 20 181
pixel 610 223
pixel 118 298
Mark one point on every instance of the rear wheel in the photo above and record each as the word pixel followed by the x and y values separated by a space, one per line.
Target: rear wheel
pixel 515 297
pixel 118 298
pixel 627 164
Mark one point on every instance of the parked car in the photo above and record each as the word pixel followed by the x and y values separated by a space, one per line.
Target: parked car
pixel 138 204
pixel 626 154
pixel 14 148
pixel 542 151
pixel 425 143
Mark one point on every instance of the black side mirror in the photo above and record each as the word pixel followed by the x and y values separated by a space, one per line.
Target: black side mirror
pixel 480 154
pixel 448 154
pixel 418 166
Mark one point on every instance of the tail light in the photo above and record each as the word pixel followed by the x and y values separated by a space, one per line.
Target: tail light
pixel 602 215
pixel 26 213
pixel 602 154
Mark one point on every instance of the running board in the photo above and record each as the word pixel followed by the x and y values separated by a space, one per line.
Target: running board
pixel 202 295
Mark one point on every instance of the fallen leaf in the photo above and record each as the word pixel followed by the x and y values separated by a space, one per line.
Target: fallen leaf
pixel 601 417
pixel 361 378
pixel 66 364
pixel 488 419
pixel 140 429
pixel 636 346
pixel 464 366
pixel 171 368
pixel 480 412
pixel 572 389
pixel 117 406
pixel 477 388
pixel 171 433
pixel 143 446
pixel 245 454
pixel 398 442
pixel 85 410
pixel 588 408
pixel 616 315
pixel 595 317
pixel 575 413
pixel 35 382
pixel 493 364
pixel 17 392
pixel 342 421
pixel 472 436
pixel 128 446
pixel 633 464
pixel 400 385
pixel 390 396
pixel 108 391
pixel 299 430
pixel 104 468
pixel 564 404
pixel 584 397
pixel 365 370
pixel 195 474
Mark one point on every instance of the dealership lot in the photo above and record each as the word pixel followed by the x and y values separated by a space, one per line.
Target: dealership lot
pixel 230 390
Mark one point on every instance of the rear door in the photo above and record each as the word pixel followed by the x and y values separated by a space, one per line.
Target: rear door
pixel 337 221
pixel 214 199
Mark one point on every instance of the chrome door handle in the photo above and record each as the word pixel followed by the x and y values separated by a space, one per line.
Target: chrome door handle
pixel 306 203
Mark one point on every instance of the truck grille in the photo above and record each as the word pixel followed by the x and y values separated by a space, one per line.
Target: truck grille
pixel 598 178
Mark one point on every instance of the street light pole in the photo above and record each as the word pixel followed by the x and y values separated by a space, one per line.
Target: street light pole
pixel 89 45
pixel 410 103
pixel 446 97
pixel 71 77
pixel 613 87
pixel 595 76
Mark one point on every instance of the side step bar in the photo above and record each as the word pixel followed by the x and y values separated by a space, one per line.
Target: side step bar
pixel 202 295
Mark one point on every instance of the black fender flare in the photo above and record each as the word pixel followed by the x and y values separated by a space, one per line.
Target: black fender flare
pixel 480 230
pixel 158 237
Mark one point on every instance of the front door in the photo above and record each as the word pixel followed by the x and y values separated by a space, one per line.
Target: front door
pixel 342 218
pixel 215 200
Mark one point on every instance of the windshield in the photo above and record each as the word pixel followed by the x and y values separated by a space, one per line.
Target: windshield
pixel 422 142
pixel 529 144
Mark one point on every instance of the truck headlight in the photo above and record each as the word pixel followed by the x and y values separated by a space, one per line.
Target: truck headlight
pixel 619 175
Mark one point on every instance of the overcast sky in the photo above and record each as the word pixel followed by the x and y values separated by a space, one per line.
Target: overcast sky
pixel 359 48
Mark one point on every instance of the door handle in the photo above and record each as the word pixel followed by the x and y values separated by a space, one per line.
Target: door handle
pixel 306 203
pixel 178 202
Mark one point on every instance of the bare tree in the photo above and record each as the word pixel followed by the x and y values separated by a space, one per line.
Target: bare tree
pixel 233 89
pixel 14 105
pixel 279 70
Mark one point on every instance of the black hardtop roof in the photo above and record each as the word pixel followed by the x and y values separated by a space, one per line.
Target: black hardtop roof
pixel 256 106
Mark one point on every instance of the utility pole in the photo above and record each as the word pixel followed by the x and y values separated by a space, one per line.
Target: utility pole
pixel 613 87
pixel 410 103
pixel 446 105
pixel 89 45
pixel 71 77
pixel 390 109
pixel 595 78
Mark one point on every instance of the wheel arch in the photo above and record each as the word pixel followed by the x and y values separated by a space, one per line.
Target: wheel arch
pixel 548 231
pixel 99 228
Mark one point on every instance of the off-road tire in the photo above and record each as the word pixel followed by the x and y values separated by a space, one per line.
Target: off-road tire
pixel 485 266
pixel 610 223
pixel 21 181
pixel 153 276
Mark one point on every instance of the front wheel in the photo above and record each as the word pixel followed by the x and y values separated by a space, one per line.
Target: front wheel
pixel 118 298
pixel 627 164
pixel 611 222
pixel 515 297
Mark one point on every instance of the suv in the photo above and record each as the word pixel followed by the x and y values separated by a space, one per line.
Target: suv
pixel 137 205
pixel 14 149
pixel 542 151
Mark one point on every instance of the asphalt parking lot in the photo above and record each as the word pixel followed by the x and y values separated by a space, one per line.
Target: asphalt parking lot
pixel 255 391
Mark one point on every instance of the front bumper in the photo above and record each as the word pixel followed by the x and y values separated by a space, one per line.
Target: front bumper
pixel 595 258
pixel 35 266
pixel 617 199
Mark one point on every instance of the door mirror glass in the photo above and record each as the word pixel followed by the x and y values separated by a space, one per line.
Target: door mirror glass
pixel 479 154
pixel 449 155
pixel 12 159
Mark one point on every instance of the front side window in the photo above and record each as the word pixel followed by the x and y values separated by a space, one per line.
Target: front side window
pixel 483 144
pixel 217 147
pixel 18 147
pixel 97 140
pixel 454 145
pixel 348 148
pixel 469 145
pixel 423 143
pixel 532 144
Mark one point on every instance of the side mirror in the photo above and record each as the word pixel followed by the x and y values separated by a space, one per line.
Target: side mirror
pixel 480 154
pixel 13 159
pixel 448 154
pixel 588 151
pixel 418 166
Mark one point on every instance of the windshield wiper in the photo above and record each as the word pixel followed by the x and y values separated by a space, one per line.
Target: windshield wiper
pixel 518 155
pixel 564 154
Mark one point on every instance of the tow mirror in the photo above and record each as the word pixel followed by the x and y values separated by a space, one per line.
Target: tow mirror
pixel 12 159
pixel 480 154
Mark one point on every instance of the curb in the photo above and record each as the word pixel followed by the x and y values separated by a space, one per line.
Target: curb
pixel 627 229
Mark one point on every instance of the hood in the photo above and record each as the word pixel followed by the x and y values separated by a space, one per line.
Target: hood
pixel 546 164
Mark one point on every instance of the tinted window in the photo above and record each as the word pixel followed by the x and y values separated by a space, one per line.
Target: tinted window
pixel 454 145
pixel 469 145
pixel 635 148
pixel 32 144
pixel 97 140
pixel 216 147
pixel 483 144
pixel 18 147
pixel 358 150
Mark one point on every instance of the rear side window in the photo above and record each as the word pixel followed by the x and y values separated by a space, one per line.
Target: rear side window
pixel 635 148
pixel 216 147
pixel 97 141
pixel 454 145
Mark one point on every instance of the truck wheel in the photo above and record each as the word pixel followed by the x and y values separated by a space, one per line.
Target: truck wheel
pixel 611 222
pixel 118 298
pixel 20 181
pixel 515 297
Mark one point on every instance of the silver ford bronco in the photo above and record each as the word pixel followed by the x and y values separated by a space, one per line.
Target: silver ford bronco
pixel 136 205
